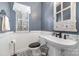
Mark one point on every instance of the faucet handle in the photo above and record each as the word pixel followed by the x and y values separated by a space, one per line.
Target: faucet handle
pixel 66 36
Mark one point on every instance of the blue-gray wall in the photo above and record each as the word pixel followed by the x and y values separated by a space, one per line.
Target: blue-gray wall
pixel 47 16
pixel 41 15
pixel 5 6
pixel 12 17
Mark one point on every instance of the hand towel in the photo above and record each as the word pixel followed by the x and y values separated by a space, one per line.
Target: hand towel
pixel 5 24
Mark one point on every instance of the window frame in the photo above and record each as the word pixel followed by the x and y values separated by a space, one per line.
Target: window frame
pixel 62 10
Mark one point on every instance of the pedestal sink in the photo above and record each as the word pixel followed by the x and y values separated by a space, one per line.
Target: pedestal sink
pixel 59 42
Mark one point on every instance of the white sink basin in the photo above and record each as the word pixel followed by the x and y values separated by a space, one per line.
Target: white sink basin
pixel 59 42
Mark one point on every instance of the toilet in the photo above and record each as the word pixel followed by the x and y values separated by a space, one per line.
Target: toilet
pixel 35 48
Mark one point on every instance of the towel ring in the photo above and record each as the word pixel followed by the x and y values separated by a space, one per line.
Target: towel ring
pixel 3 12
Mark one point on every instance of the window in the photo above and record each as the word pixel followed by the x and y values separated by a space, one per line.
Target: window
pixel 58 17
pixel 22 21
pixel 66 14
pixel 66 4
pixel 63 11
pixel 58 8
pixel 22 16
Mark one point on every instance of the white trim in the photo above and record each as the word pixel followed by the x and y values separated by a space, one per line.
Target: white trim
pixel 58 12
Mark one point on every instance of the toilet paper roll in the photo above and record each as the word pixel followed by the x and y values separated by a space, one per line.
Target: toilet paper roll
pixel 12 47
pixel 13 41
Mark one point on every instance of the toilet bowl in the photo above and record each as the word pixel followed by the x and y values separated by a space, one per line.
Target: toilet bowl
pixel 34 45
pixel 35 48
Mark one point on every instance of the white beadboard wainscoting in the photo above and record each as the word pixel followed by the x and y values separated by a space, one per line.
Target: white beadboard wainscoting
pixel 23 39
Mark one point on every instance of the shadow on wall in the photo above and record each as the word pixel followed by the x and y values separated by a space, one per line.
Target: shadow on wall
pixel 47 16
